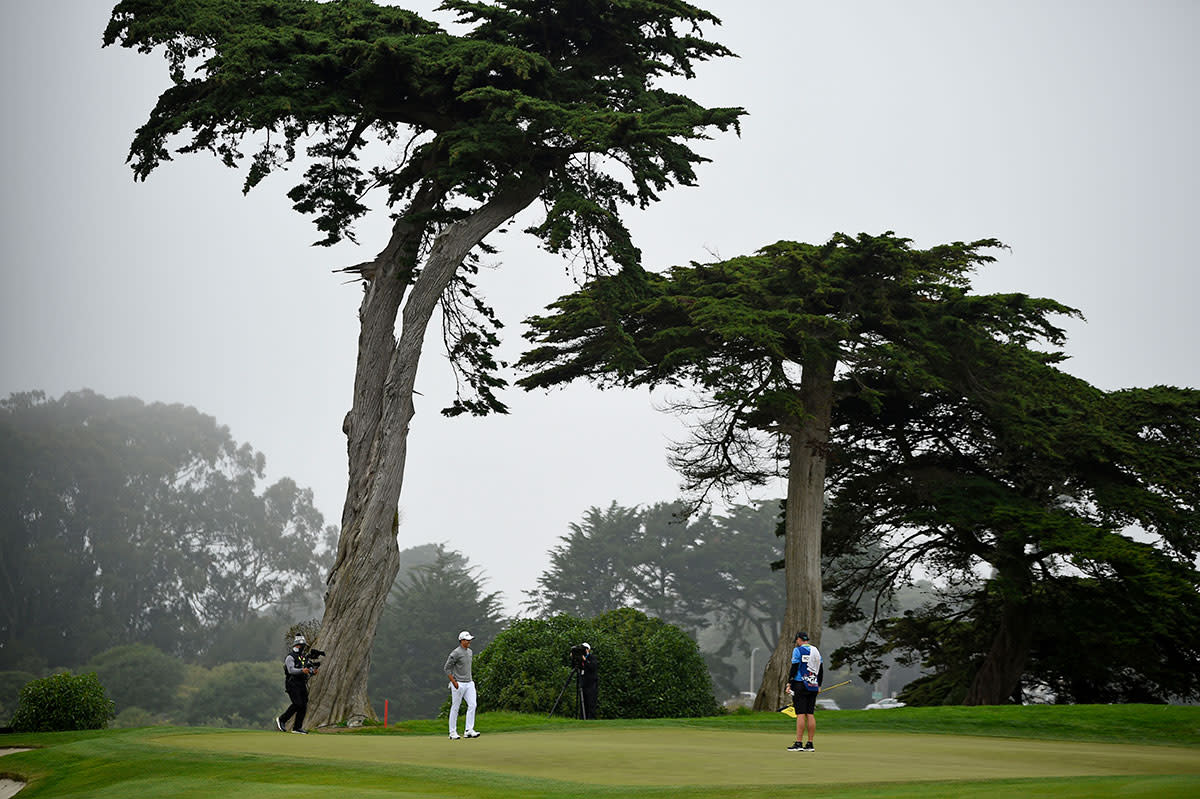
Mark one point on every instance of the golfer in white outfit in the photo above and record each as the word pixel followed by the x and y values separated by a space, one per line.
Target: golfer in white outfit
pixel 458 669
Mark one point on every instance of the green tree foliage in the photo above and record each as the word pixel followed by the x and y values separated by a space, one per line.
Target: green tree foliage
pixel 627 557
pixel 421 555
pixel 258 637
pixel 734 575
pixel 1080 615
pixel 708 574
pixel 560 101
pixel 63 702
pixel 959 449
pixel 122 523
pixel 1079 506
pixel 529 87
pixel 11 683
pixel 238 695
pixel 648 668
pixel 761 338
pixel 139 675
pixel 425 610
pixel 590 571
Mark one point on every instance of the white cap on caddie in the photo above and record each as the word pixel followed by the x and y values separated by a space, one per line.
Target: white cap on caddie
pixel 465 636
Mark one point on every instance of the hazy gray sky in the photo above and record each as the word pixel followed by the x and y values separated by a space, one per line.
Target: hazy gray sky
pixel 1066 129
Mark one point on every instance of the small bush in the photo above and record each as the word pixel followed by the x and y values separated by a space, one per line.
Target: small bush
pixel 63 702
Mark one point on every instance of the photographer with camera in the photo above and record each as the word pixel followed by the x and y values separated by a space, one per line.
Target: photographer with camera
pixel 589 677
pixel 299 664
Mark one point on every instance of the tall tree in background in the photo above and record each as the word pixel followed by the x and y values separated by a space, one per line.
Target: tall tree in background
pixel 1057 519
pixel 125 523
pixel 762 339
pixel 643 558
pixel 426 608
pixel 709 574
pixel 745 601
pixel 554 100
pixel 590 569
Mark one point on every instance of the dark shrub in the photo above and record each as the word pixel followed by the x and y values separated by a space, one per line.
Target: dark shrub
pixel 239 695
pixel 134 716
pixel 11 683
pixel 139 675
pixel 63 702
pixel 648 668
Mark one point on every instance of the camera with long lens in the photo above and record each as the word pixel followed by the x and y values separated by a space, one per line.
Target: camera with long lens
pixel 311 659
pixel 577 655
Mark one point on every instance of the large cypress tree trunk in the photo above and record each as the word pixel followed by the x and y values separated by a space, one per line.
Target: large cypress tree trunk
pixel 1001 670
pixel 808 444
pixel 377 441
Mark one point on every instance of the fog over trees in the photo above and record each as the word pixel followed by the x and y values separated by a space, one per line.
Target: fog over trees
pixel 125 523
pixel 137 543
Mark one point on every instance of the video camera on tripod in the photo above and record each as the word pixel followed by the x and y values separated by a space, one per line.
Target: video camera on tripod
pixel 575 660
pixel 577 656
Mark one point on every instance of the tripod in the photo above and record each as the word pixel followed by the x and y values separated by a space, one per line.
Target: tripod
pixel 578 694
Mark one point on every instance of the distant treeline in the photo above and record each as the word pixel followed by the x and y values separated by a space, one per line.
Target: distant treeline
pixel 125 523
pixel 135 540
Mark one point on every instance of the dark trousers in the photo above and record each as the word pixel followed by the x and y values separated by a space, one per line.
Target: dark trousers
pixel 590 691
pixel 298 693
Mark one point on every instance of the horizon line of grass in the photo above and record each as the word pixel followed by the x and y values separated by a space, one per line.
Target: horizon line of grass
pixel 1159 725
pixel 1169 725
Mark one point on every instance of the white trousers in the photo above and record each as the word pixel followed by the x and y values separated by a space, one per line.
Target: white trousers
pixel 465 690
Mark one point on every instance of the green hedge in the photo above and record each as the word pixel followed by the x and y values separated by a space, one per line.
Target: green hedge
pixel 648 668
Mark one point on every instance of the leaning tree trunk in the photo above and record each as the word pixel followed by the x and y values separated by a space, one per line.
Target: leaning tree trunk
pixel 808 444
pixel 377 442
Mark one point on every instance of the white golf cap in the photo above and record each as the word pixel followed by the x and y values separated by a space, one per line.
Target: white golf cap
pixel 299 639
pixel 586 645
pixel 465 636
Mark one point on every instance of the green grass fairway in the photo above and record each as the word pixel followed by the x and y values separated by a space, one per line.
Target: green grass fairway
pixel 697 757
pixel 911 753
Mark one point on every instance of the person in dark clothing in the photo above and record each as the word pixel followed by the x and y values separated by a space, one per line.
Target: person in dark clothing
pixel 295 682
pixel 589 681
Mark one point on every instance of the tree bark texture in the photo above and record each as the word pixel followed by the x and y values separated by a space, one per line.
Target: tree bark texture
pixel 807 459
pixel 1001 670
pixel 376 430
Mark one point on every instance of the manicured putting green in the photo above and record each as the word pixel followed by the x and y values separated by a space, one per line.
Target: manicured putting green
pixel 665 756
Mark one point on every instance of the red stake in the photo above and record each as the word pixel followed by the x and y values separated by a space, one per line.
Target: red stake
pixel 385 712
